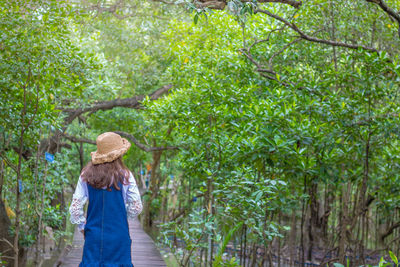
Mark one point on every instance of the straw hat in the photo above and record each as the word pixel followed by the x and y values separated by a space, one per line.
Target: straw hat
pixel 110 146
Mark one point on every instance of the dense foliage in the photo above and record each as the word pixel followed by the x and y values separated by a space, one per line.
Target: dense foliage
pixel 305 145
pixel 278 141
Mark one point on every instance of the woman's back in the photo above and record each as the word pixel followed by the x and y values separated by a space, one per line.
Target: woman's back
pixel 107 237
pixel 113 196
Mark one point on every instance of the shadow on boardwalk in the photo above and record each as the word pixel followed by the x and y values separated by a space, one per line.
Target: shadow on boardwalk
pixel 144 252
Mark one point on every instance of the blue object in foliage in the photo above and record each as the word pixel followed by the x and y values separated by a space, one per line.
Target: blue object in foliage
pixel 49 157
pixel 171 176
pixel 194 199
pixel 141 172
pixel 147 182
pixel 20 186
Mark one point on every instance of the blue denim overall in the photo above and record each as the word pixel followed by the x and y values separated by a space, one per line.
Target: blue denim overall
pixel 107 240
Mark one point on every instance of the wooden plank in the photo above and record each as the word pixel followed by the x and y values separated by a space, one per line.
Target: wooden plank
pixel 144 252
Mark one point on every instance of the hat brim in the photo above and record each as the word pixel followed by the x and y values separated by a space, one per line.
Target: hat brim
pixel 111 156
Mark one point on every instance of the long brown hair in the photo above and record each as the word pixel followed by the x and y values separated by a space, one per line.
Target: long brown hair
pixel 106 174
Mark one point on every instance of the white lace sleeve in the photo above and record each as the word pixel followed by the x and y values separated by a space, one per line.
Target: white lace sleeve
pixel 78 202
pixel 133 202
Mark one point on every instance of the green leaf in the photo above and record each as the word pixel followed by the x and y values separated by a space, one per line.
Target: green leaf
pixel 393 257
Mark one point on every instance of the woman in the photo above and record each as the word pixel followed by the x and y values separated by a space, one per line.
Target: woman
pixel 113 197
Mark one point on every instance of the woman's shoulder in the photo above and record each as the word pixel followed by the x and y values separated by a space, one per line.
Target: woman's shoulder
pixel 130 176
pixel 82 182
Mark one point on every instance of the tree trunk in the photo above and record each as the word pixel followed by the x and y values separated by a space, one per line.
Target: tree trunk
pixel 18 181
pixel 303 215
pixel 313 220
pixel 5 224
pixel 292 238
pixel 153 188
pixel 344 215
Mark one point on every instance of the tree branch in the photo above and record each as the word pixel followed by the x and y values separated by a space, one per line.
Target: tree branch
pixel 310 38
pixel 8 162
pixel 391 12
pixel 267 73
pixel 374 118
pixel 165 2
pixel 293 3
pixel 281 51
pixel 142 146
pixel 184 210
pixel 220 4
pixel 390 230
pixel 133 102
pixel 78 139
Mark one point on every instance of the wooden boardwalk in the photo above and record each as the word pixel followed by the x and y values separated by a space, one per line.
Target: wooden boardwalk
pixel 144 252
